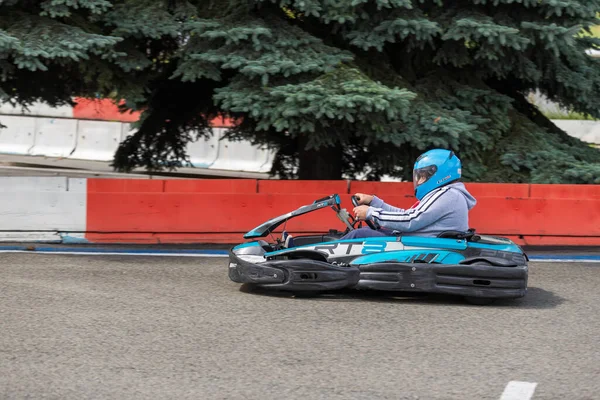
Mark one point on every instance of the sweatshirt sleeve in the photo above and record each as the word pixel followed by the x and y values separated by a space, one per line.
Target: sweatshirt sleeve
pixel 378 203
pixel 427 212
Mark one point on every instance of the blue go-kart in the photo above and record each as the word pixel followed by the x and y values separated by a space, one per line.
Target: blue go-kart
pixel 480 268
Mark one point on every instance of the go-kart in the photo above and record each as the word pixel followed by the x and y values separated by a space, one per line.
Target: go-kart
pixel 480 268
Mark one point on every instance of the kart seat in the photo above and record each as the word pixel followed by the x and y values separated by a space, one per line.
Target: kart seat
pixel 469 235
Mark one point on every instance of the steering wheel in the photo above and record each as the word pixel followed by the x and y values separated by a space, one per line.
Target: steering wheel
pixel 355 204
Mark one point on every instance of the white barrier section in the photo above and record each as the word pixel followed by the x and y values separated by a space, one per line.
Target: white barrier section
pixel 77 185
pixel 594 53
pixel 587 131
pixel 55 137
pixel 37 109
pixel 126 130
pixel 97 140
pixel 242 156
pixel 43 204
pixel 18 136
pixel 34 184
pixel 203 152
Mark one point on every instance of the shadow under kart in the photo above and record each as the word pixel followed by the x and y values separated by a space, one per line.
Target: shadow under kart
pixel 479 268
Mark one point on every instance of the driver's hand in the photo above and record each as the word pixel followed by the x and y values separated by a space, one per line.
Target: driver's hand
pixel 364 198
pixel 360 212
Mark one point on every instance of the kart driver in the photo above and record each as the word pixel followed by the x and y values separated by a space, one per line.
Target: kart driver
pixel 443 202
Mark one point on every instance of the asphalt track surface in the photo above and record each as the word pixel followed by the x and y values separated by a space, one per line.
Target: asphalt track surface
pixel 140 327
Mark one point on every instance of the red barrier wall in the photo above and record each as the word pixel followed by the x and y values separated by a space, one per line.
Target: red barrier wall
pixel 124 186
pixel 107 110
pixel 101 109
pixel 223 210
pixel 565 191
pixel 211 186
pixel 319 188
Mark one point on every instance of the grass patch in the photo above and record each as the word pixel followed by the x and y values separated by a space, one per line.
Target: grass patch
pixel 571 115
pixel 595 32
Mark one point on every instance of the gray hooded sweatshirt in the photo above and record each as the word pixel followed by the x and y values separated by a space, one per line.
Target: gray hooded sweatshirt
pixel 443 209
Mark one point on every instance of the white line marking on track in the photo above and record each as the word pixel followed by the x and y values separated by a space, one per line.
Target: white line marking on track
pixel 517 390
pixel 81 253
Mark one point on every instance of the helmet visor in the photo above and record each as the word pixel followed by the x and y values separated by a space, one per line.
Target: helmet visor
pixel 422 175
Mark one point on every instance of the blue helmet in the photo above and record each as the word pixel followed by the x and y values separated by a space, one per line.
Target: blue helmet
pixel 435 168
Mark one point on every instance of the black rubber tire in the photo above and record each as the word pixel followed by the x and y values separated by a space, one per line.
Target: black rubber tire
pixel 479 301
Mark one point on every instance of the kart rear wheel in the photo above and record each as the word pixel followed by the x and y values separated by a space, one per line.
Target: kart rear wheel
pixel 480 301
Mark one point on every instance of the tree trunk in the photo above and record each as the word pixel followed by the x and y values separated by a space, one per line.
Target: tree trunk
pixel 324 163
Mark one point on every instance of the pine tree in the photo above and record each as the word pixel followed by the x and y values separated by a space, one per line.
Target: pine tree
pixel 336 87
pixel 46 52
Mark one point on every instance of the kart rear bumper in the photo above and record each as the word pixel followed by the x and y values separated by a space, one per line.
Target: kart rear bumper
pixel 293 275
pixel 312 275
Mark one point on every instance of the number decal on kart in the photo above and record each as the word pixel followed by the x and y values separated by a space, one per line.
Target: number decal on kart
pixel 373 247
pixel 367 247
